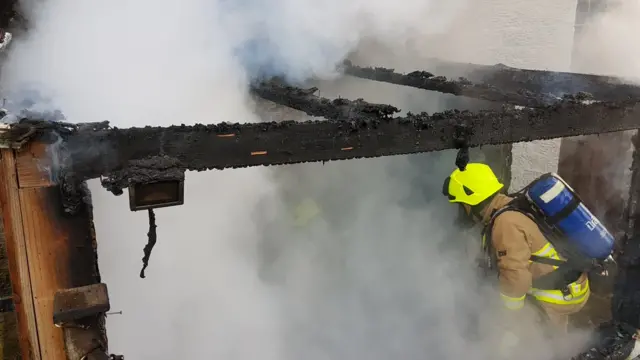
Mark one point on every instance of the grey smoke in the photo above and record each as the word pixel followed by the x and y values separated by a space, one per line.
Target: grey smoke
pixel 380 273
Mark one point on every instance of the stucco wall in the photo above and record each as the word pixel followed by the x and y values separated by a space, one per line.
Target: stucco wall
pixel 521 33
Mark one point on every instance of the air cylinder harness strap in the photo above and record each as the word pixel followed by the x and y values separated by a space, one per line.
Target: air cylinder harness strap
pixel 558 286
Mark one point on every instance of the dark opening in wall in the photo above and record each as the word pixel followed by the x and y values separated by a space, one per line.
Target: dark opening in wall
pixel 592 164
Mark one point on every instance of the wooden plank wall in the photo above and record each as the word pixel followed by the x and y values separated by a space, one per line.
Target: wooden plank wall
pixel 49 251
pixel 17 254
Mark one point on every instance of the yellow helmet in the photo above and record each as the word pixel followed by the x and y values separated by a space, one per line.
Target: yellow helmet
pixel 472 186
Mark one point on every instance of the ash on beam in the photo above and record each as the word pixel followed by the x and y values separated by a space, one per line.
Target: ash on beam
pixel 358 129
pixel 499 83
pixel 605 88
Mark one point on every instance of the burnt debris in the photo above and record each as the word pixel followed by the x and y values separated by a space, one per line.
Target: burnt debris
pixel 143 171
pixel 461 86
pixel 152 238
pixel 531 88
pixel 337 109
pixel 610 341
pixel 556 83
pixel 15 135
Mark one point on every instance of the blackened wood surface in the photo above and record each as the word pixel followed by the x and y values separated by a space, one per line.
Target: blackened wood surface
pixel 502 83
pixel 360 134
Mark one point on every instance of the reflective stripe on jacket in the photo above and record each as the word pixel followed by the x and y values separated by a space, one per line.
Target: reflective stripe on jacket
pixel 515 237
pixel 578 290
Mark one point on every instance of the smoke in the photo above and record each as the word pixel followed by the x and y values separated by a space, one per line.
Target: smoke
pixel 603 45
pixel 299 39
pixel 380 271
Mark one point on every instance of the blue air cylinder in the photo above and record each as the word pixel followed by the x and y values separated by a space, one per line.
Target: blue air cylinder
pixel 562 208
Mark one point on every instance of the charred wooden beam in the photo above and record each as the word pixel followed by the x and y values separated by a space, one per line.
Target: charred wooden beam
pixel 357 129
pixel 499 83
pixel 559 83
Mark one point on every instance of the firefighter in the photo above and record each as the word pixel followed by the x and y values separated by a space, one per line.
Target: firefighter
pixel 513 237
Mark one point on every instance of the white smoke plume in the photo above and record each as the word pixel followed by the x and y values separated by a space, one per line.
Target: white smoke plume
pixel 379 274
pixel 604 46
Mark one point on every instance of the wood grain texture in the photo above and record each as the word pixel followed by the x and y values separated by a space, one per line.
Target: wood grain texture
pixel 32 166
pixel 80 302
pixel 50 251
pixel 46 246
pixel 62 255
pixel 17 252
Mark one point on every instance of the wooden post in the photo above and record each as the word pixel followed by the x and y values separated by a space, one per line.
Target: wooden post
pixel 17 256
pixel 48 251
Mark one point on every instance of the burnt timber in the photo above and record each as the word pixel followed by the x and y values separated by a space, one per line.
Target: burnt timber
pixel 501 83
pixel 356 129
pixel 359 129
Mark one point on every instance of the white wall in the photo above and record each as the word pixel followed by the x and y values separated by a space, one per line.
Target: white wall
pixel 520 33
